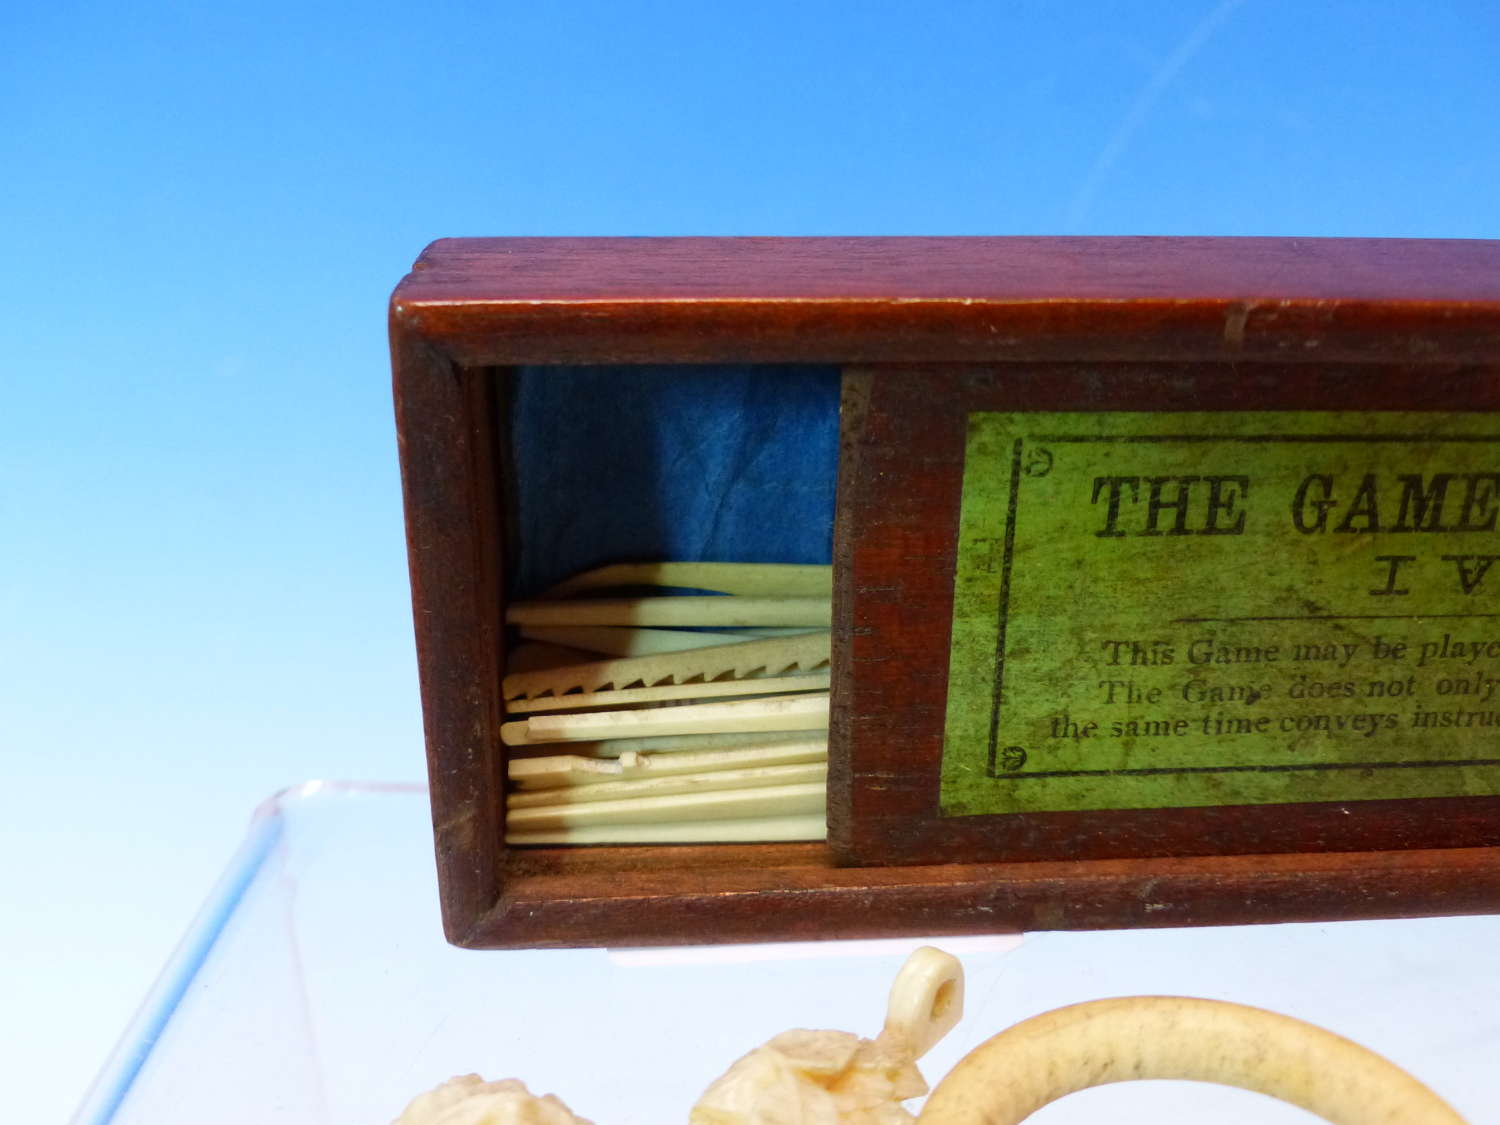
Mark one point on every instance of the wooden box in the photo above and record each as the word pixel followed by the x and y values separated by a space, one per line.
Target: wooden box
pixel 1117 352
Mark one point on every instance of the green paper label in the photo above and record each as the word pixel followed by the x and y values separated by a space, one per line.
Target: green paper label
pixel 1175 610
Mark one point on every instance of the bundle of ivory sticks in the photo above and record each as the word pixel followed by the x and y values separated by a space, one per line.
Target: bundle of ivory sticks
pixel 671 718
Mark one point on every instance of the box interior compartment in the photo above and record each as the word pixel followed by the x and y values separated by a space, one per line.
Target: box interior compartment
pixel 666 463
pixel 605 465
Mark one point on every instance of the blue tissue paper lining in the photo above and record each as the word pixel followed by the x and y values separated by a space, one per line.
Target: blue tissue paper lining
pixel 724 463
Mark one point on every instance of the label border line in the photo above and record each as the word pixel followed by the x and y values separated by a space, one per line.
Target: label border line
pixel 1006 558
pixel 1269 439
pixel 991 768
pixel 1475 763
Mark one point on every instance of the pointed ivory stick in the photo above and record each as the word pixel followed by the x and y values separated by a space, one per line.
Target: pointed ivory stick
pixel 750 830
pixel 618 641
pixel 579 701
pixel 784 712
pixel 568 770
pixel 708 611
pixel 749 632
pixel 672 785
pixel 773 655
pixel 752 580
pixel 726 804
pixel 673 744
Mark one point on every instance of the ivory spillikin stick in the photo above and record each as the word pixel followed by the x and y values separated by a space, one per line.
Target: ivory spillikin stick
pixel 750 632
pixel 750 830
pixel 804 652
pixel 571 769
pixel 617 641
pixel 796 712
pixel 558 770
pixel 672 785
pixel 694 611
pixel 581 701
pixel 669 744
pixel 755 580
pixel 726 804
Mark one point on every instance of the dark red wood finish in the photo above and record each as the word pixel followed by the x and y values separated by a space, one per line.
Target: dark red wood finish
pixel 899 490
pixel 1054 323
pixel 846 300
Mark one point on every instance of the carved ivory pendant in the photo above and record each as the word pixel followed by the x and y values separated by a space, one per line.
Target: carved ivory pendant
pixel 836 1078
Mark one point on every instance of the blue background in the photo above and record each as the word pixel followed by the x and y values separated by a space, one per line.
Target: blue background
pixel 203 208
pixel 726 463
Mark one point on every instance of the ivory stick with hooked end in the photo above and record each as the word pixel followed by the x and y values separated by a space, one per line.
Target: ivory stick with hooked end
pixel 795 712
pixel 672 745
pixel 558 770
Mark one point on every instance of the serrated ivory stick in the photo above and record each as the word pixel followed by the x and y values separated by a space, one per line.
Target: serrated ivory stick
pixel 725 804
pixel 772 655
pixel 617 641
pixel 817 681
pixel 693 611
pixel 1008 1078
pixel 561 770
pixel 795 712
pixel 750 830
pixel 672 785
pixel 763 580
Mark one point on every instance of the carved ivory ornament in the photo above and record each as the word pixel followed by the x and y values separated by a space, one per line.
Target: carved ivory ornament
pixel 836 1078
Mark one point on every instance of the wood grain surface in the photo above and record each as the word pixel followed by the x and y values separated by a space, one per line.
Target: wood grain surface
pixel 900 482
pixel 842 300
pixel 446 430
pixel 794 892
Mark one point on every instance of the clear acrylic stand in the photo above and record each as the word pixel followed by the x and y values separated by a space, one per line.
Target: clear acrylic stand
pixel 315 988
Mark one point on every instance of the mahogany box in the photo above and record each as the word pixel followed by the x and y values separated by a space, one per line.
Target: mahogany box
pixel 1161 566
